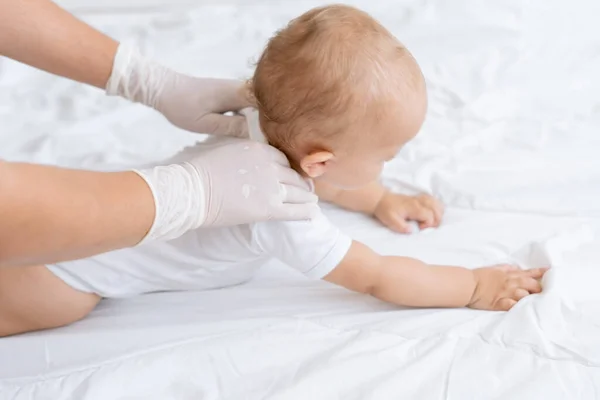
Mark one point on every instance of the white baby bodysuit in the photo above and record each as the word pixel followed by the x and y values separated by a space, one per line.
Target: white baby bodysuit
pixel 209 258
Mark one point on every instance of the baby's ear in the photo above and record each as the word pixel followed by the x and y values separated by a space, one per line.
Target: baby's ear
pixel 315 164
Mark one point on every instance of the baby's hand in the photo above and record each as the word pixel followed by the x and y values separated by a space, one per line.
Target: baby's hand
pixel 395 210
pixel 500 287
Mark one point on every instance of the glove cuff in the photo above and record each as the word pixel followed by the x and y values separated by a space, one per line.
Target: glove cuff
pixel 135 77
pixel 179 198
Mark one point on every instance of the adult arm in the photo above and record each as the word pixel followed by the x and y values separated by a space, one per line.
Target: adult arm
pixel 41 34
pixel 49 214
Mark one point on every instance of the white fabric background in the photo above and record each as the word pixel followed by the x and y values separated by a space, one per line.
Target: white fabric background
pixel 510 144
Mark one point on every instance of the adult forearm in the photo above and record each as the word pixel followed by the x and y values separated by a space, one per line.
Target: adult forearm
pixel 48 214
pixel 41 34
pixel 410 282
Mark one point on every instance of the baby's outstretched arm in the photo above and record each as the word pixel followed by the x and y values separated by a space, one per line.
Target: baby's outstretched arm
pixel 391 209
pixel 409 282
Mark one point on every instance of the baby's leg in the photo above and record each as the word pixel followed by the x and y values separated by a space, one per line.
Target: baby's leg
pixel 33 298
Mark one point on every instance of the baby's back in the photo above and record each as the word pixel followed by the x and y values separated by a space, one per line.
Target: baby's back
pixel 199 260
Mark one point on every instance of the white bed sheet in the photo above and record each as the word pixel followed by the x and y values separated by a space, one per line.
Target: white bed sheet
pixel 510 145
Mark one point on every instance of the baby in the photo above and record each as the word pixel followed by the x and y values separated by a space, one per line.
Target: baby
pixel 339 95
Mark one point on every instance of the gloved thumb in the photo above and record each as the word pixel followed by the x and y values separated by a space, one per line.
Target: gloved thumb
pixel 296 212
pixel 222 125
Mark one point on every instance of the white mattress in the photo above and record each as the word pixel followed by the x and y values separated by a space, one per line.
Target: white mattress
pixel 511 145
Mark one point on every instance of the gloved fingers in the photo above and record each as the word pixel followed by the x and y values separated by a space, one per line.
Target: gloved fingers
pixel 277 156
pixel 232 95
pixel 296 195
pixel 288 176
pixel 296 212
pixel 224 125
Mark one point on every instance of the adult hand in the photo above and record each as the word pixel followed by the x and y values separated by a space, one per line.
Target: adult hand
pixel 52 214
pixel 227 184
pixel 190 103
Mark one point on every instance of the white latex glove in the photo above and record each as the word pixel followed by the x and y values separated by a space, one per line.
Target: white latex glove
pixel 227 184
pixel 190 103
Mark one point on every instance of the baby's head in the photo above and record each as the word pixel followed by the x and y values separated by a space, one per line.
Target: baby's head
pixel 339 95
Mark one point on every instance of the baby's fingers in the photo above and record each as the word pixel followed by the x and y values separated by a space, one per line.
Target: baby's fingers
pixel 424 216
pixel 435 206
pixel 438 211
pixel 396 222
pixel 505 304
pixel 520 293
pixel 509 267
pixel 530 284
pixel 536 273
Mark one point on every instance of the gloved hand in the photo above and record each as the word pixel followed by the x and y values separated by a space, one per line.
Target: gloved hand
pixel 190 103
pixel 227 184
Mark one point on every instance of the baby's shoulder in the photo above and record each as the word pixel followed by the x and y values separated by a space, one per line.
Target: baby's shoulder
pixel 300 235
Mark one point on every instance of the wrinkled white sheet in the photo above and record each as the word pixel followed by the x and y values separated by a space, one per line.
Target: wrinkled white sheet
pixel 510 145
